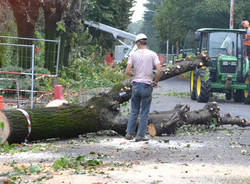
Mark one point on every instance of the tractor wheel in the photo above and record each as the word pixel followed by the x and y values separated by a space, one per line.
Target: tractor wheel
pixel 228 95
pixel 192 85
pixel 203 86
pixel 238 95
pixel 247 92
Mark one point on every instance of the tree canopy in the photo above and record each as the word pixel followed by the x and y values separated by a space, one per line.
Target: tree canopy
pixel 115 13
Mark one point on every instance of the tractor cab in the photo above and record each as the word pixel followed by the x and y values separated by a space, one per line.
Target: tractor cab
pixel 228 72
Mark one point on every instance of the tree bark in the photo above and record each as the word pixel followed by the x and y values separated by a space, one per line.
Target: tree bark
pixel 53 13
pixel 185 65
pixel 99 114
pixel 64 122
pixel 73 24
pixel 26 14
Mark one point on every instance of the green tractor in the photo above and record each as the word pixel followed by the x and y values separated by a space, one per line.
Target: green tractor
pixel 228 72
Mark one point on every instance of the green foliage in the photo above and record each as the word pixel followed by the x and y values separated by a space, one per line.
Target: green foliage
pixel 7 27
pixel 115 13
pixel 88 74
pixel 166 140
pixel 149 29
pixel 6 148
pixel 34 169
pixel 16 148
pixel 196 130
pixel 62 163
pixel 61 26
pixel 176 17
pixel 2 126
pixel 172 93
pixel 68 162
pixel 15 174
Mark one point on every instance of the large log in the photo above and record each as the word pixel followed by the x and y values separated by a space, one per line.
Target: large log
pixel 72 120
pixel 64 122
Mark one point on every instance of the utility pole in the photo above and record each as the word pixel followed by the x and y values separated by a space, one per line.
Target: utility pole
pixel 231 23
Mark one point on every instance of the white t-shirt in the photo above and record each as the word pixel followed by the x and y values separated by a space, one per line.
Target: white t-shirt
pixel 143 62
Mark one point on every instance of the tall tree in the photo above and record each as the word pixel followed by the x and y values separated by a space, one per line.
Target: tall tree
pixel 26 13
pixel 7 27
pixel 73 25
pixel 148 28
pixel 53 13
pixel 115 13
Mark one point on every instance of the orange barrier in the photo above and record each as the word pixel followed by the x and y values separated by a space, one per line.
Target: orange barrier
pixel 1 103
pixel 58 92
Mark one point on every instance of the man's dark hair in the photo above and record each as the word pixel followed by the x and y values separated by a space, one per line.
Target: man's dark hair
pixel 143 42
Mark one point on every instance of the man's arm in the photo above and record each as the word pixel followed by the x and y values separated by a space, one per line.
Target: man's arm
pixel 128 70
pixel 158 74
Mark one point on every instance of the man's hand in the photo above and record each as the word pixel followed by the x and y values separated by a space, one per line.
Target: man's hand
pixel 154 84
pixel 158 75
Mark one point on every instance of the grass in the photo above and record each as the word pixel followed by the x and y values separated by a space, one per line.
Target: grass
pixel 172 93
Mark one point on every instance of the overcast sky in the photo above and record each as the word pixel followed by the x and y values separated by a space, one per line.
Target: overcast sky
pixel 138 10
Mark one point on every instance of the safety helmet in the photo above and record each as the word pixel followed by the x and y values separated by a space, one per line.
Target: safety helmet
pixel 140 36
pixel 244 24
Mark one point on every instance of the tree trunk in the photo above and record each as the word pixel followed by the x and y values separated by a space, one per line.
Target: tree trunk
pixel 53 12
pixel 26 14
pixel 99 114
pixel 185 65
pixel 64 122
pixel 73 24
pixel 65 48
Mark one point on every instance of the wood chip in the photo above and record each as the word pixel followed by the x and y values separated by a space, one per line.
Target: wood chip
pixel 151 130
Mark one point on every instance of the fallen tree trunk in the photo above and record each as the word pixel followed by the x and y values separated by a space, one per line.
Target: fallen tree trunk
pixel 72 120
pixel 184 66
pixel 63 122
pixel 208 115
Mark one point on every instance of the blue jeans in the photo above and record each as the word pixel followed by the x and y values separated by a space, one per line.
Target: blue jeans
pixel 140 103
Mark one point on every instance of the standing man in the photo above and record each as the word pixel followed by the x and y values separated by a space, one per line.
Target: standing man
pixel 142 61
pixel 245 25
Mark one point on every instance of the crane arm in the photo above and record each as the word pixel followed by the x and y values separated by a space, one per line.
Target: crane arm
pixel 115 32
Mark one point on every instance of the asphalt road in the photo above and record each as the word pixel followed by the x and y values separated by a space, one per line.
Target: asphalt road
pixel 166 96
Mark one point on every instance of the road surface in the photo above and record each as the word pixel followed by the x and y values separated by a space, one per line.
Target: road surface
pixel 164 98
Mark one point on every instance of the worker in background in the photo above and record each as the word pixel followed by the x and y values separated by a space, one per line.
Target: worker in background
pixel 109 59
pixel 245 25
pixel 228 45
pixel 142 61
